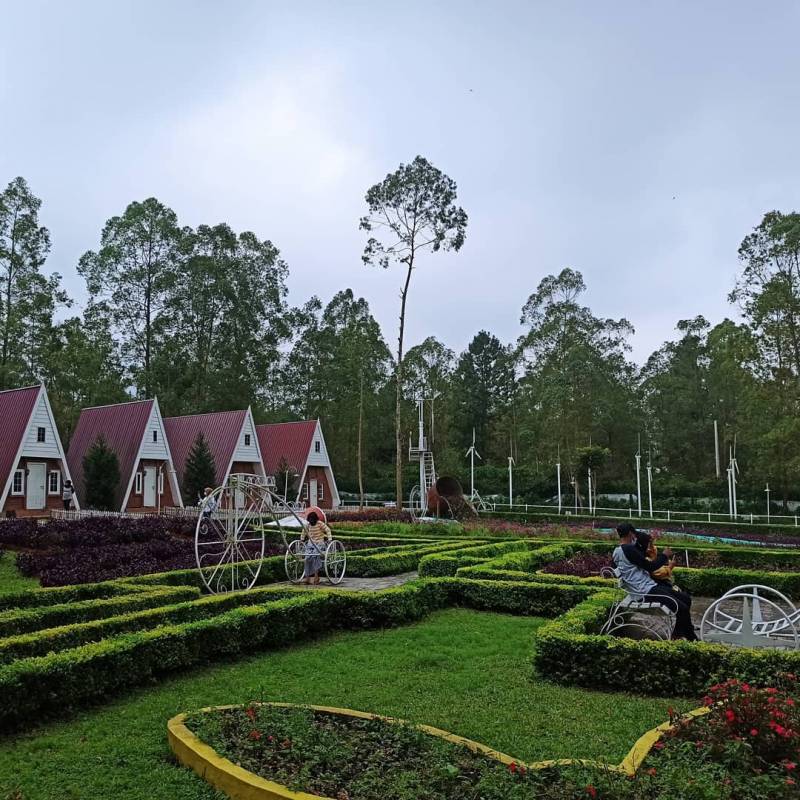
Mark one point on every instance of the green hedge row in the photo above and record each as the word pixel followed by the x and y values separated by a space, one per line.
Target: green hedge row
pixel 24 620
pixel 437 565
pixel 50 640
pixel 55 682
pixel 569 650
pixel 62 594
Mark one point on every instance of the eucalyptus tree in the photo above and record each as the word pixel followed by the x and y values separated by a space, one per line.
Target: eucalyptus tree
pixel 577 386
pixel 27 297
pixel 428 373
pixel 412 210
pixel 82 367
pixel 135 271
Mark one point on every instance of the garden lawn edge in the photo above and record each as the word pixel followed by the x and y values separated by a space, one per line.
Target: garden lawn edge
pixel 240 784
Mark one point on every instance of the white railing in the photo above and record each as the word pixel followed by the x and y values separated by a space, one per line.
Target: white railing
pixel 658 515
pixel 74 514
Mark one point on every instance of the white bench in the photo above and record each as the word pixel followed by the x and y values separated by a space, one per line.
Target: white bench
pixel 636 611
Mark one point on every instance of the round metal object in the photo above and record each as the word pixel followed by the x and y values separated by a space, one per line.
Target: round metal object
pixel 295 561
pixel 230 534
pixel 335 562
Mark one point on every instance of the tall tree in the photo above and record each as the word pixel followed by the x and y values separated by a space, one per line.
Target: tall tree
pixel 82 367
pixel 484 381
pixel 577 382
pixel 411 210
pixel 200 471
pixel 101 476
pixel 135 271
pixel 27 297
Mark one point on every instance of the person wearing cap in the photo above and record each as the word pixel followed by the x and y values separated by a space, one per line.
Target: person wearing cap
pixel 636 576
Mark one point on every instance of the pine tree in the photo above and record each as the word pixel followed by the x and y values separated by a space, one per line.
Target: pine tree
pixel 200 470
pixel 101 476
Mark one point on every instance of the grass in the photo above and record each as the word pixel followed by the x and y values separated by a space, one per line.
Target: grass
pixel 463 671
pixel 10 578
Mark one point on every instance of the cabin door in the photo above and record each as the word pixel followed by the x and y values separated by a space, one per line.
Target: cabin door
pixel 149 487
pixel 35 496
pixel 312 492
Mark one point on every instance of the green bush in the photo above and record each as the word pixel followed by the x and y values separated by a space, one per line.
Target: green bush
pixel 438 565
pixel 31 619
pixel 569 650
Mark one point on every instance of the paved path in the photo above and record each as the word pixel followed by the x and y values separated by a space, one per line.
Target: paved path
pixel 360 584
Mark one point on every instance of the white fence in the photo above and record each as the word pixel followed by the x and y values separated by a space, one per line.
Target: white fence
pixel 658 515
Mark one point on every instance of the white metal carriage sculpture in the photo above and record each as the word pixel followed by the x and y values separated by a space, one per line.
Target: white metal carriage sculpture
pixel 333 555
pixel 752 616
pixel 231 534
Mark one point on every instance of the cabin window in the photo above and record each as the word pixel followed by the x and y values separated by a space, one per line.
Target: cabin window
pixel 41 434
pixel 320 491
pixel 54 481
pixel 137 486
pixel 160 482
pixel 316 447
pixel 155 436
pixel 247 440
pixel 305 491
pixel 18 484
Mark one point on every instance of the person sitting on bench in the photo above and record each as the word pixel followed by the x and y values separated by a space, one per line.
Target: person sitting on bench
pixel 635 574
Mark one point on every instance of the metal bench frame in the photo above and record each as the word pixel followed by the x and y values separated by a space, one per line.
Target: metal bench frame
pixel 635 611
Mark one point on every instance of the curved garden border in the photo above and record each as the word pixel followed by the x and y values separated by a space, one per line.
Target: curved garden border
pixel 241 784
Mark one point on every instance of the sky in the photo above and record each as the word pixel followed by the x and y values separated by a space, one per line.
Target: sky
pixel 637 142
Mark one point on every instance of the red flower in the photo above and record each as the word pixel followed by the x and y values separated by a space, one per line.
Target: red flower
pixel 591 791
pixel 270 738
pixel 255 735
pixel 729 715
pixel 651 771
pixel 512 767
pixel 745 687
pixel 790 781
pixel 658 746
pixel 251 712
pixel 754 731
pixel 790 765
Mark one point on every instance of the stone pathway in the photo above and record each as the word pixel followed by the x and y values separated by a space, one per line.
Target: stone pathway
pixel 360 584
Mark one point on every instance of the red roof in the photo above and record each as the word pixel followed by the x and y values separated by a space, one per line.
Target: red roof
pixel 287 440
pixel 16 407
pixel 220 429
pixel 122 426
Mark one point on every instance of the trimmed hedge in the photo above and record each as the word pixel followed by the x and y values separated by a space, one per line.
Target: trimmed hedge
pixel 31 619
pixel 437 565
pixel 57 681
pixel 50 640
pixel 569 650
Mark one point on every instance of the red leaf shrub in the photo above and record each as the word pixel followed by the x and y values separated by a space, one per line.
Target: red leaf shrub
pixel 757 726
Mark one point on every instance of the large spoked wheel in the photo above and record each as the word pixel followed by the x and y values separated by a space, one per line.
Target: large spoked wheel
pixel 295 561
pixel 335 562
pixel 415 503
pixel 230 535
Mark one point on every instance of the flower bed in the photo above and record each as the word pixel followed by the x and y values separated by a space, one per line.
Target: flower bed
pixel 747 746
pixel 353 758
pixel 737 751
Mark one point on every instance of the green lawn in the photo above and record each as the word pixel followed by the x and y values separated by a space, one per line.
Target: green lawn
pixel 10 579
pixel 464 671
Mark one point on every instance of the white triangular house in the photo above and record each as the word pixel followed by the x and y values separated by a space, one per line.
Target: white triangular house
pixel 33 466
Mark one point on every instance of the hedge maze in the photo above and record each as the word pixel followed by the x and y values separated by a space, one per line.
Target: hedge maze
pixel 69 646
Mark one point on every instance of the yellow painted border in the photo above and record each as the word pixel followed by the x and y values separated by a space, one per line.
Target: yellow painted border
pixel 240 784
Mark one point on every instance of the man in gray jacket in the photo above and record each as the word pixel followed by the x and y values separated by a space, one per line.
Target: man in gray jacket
pixel 635 573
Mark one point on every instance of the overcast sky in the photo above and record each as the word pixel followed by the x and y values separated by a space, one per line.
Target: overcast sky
pixel 637 142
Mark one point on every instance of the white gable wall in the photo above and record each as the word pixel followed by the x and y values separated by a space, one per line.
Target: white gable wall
pixel 248 453
pixel 40 418
pixel 320 459
pixel 154 450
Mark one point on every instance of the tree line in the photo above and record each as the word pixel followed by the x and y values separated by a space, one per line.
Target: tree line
pixel 200 318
